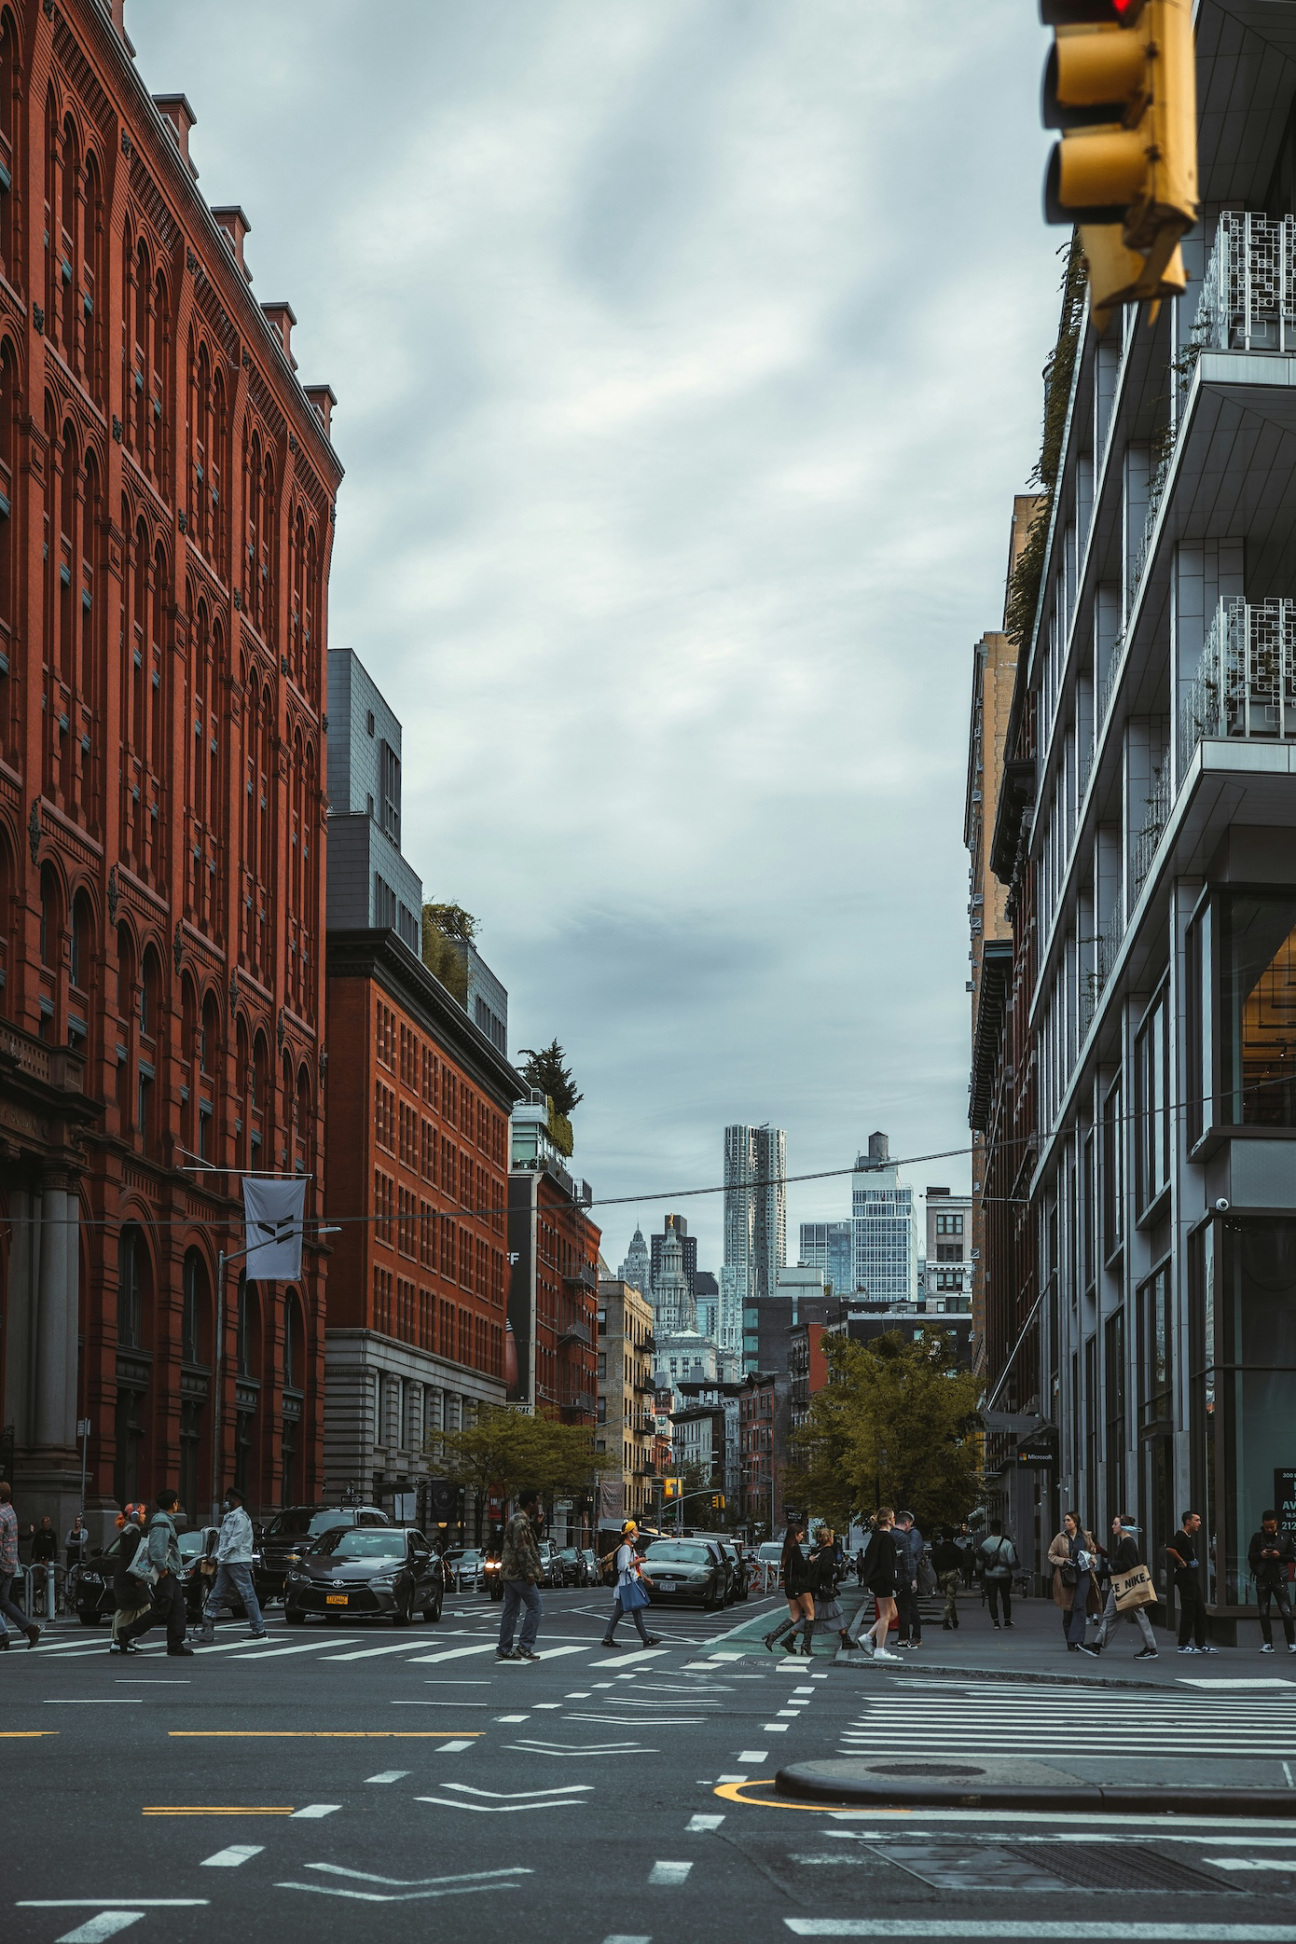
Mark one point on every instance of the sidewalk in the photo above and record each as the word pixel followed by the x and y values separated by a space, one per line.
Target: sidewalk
pixel 1033 1650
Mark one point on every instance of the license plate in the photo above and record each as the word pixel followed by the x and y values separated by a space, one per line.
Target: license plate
pixel 667 1586
pixel 335 1599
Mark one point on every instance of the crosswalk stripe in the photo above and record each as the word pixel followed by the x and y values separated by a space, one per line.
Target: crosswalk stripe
pixel 277 1653
pixel 372 1653
pixel 454 1653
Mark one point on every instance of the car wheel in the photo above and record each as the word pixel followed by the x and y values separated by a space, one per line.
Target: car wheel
pixel 404 1615
pixel 433 1612
pixel 292 1618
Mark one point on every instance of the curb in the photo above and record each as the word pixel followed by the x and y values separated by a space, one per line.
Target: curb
pixel 808 1779
pixel 915 1666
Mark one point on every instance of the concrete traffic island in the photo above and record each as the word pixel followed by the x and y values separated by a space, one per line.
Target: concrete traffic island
pixel 1120 1786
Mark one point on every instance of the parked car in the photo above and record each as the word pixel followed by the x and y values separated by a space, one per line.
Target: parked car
pixel 593 1573
pixel 356 1572
pixel 740 1582
pixel 290 1532
pixel 550 1563
pixel 95 1600
pixel 688 1570
pixel 575 1572
pixel 464 1566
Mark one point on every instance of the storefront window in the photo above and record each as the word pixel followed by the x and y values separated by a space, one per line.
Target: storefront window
pixel 1258 1009
pixel 1254 1344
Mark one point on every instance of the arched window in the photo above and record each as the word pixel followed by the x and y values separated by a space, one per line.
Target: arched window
pixel 82 941
pixel 294 1372
pixel 125 978
pixel 67 252
pixel 132 1288
pixel 242 1083
pixel 94 283
pixel 137 381
pixel 159 374
pixel 10 119
pixel 51 918
pixel 151 994
pixel 305 1119
pixel 193 1316
pixel 249 1330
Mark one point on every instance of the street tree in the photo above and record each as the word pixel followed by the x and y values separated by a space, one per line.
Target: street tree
pixel 508 1449
pixel 896 1424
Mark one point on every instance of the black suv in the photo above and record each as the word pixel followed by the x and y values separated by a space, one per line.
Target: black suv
pixel 290 1532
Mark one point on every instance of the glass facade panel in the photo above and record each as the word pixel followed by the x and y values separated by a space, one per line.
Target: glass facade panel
pixel 1152 1074
pixel 1258 1009
pixel 1248 1326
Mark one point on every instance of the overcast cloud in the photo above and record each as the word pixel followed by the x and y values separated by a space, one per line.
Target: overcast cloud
pixel 688 358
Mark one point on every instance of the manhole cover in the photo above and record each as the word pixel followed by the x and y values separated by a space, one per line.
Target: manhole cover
pixel 921 1768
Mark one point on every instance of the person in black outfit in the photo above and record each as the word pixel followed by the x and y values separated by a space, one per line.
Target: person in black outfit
pixel 947 1564
pixel 825 1566
pixel 798 1588
pixel 1269 1555
pixel 1182 1554
pixel 1125 1556
pixel 44 1543
pixel 881 1569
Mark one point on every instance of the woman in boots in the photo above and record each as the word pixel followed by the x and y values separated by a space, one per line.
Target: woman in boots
pixel 827 1607
pixel 798 1588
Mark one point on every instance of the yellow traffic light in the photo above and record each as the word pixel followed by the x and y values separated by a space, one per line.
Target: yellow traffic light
pixel 1121 85
pixel 671 1488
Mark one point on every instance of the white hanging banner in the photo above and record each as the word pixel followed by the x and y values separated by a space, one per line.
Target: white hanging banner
pixel 272 1213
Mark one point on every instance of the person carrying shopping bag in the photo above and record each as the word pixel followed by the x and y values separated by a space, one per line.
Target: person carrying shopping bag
pixel 631 1589
pixel 1072 1556
pixel 827 1607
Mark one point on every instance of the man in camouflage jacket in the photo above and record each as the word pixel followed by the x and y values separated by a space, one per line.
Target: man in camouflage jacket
pixel 520 1570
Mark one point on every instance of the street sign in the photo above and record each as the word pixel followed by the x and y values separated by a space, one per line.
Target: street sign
pixel 1284 1499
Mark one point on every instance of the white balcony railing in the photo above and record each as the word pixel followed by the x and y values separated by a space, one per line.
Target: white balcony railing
pixel 1155 817
pixel 1248 297
pixel 1245 686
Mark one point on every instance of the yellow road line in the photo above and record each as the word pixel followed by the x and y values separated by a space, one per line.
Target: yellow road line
pixel 327 1734
pixel 218 1812
pixel 735 1792
pixel 26 1734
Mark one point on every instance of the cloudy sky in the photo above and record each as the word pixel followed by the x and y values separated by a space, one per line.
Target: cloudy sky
pixel 688 358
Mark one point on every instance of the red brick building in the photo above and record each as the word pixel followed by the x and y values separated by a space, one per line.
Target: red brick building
pixel 166 520
pixel 418 1280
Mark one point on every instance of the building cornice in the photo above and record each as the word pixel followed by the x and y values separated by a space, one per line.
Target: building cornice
pixel 379 955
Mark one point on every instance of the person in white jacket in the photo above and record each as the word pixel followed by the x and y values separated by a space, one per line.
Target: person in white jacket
pixel 234 1548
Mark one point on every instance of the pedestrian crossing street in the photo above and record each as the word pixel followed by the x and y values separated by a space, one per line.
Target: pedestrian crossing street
pixel 990 1718
pixel 428 1646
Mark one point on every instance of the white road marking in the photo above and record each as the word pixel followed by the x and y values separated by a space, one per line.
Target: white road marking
pixel 96 1701
pixel 106 1924
pixel 577 1694
pixel 253 1652
pixel 624 1660
pixel 1270 1681
pixel 669 1873
pixel 372 1653
pixel 453 1747
pixel 229 1859
pixel 498 1808
pixel 112 1903
pixel 516 1795
pixel 457 1653
pixel 790 1714
pixel 1128 1933
pixel 521 1717
pixel 750 1755
pixel 774 1728
pixel 313 1810
pixel 1250 1862
pixel 619 1937
pixel 404 1890
pixel 731 1778
pixel 597 1748
pixel 390 1775
pixel 698 1825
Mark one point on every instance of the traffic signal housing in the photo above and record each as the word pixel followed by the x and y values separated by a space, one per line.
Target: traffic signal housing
pixel 1120 84
pixel 672 1488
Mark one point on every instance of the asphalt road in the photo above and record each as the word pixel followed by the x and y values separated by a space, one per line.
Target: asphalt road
pixel 338 1781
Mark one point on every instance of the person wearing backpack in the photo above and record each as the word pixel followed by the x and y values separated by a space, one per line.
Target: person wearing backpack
pixel 997 1561
pixel 631 1597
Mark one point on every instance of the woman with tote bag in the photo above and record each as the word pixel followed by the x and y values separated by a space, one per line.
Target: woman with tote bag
pixel 631 1589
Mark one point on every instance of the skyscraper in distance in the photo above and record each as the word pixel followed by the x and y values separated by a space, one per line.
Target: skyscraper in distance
pixel 884 1235
pixel 636 1269
pixel 755 1223
pixel 830 1246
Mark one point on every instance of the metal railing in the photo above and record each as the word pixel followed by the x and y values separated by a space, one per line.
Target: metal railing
pixel 1156 816
pixel 1245 686
pixel 1248 296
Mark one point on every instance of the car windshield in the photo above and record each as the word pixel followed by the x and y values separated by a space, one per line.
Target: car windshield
pixel 771 1551
pixel 569 1552
pixel 191 1544
pixel 471 1554
pixel 353 1544
pixel 301 1522
pixel 673 1555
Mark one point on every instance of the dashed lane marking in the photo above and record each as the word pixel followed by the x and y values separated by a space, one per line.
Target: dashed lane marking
pixel 314 1810
pixel 962 1928
pixel 457 1747
pixel 669 1873
pixel 319 1734
pixel 389 1775
pixel 207 1809
pixel 406 1889
pixel 699 1825
pixel 106 1924
pixel 753 1755
pixel 231 1858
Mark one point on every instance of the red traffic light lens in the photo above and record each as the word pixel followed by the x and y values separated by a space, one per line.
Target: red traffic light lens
pixel 1087 13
